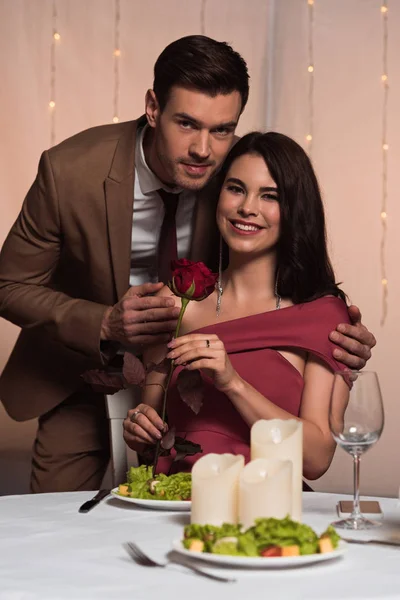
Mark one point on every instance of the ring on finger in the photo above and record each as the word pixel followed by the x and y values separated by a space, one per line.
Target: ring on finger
pixel 134 415
pixel 207 343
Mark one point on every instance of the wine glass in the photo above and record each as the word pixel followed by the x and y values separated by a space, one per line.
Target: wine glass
pixel 356 421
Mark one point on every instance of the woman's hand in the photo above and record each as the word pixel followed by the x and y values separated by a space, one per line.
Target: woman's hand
pixel 143 426
pixel 206 352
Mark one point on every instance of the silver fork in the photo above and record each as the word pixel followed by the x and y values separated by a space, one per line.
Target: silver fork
pixel 143 559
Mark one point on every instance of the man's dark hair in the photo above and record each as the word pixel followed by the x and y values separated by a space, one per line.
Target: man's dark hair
pixel 304 271
pixel 197 62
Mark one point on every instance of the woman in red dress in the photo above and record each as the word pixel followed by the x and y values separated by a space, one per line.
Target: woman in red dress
pixel 260 340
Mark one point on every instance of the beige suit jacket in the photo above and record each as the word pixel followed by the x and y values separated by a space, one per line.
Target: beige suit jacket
pixel 67 258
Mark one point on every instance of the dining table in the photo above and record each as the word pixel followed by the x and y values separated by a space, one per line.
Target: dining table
pixel 49 550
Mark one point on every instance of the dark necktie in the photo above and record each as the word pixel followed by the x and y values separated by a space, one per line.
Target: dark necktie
pixel 167 245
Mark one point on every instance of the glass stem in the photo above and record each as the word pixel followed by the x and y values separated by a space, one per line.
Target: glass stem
pixel 356 514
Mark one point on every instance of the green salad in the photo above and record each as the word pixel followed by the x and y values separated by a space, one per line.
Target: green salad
pixel 267 537
pixel 141 484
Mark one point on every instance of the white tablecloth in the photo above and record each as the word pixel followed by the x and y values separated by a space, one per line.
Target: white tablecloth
pixel 50 551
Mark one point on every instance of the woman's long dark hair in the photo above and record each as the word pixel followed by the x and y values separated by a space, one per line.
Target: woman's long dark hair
pixel 304 271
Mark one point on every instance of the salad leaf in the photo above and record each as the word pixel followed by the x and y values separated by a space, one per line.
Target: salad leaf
pixel 163 487
pixel 209 534
pixel 263 534
pixel 284 532
pixel 247 544
pixel 230 548
pixel 136 474
pixel 174 487
pixel 332 534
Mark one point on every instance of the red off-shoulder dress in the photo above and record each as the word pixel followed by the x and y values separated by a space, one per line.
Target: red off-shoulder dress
pixel 252 343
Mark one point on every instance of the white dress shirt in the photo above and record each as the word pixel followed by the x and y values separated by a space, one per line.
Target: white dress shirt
pixel 148 215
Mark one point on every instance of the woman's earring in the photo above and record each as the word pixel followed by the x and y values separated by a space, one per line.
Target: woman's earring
pixel 218 285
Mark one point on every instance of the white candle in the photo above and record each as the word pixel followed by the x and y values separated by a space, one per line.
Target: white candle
pixel 283 439
pixel 265 490
pixel 215 489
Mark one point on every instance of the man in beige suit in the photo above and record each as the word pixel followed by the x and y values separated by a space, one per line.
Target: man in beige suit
pixel 78 269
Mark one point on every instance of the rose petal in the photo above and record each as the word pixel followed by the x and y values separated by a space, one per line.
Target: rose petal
pixel 192 280
pixel 190 388
pixel 133 369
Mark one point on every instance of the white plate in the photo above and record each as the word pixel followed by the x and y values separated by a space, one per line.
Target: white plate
pixel 260 562
pixel 154 504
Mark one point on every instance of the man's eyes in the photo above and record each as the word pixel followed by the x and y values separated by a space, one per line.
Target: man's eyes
pixel 222 131
pixel 186 124
pixel 219 131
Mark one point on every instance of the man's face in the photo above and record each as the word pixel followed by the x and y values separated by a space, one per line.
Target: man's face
pixel 191 136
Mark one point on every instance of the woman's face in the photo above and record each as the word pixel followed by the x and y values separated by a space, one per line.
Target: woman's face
pixel 248 213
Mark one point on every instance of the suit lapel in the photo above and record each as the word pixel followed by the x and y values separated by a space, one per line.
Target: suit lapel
pixel 119 194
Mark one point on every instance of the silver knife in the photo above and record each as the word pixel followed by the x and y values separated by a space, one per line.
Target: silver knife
pixel 381 542
pixel 94 501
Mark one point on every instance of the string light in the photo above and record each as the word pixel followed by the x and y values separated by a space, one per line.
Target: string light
pixel 203 17
pixel 117 56
pixel 385 148
pixel 52 103
pixel 310 69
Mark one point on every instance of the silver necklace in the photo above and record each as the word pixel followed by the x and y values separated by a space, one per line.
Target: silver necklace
pixel 220 291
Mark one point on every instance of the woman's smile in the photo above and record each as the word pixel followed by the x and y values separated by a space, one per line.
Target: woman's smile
pixel 245 227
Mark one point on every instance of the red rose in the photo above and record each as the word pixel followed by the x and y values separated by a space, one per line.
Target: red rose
pixel 192 280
